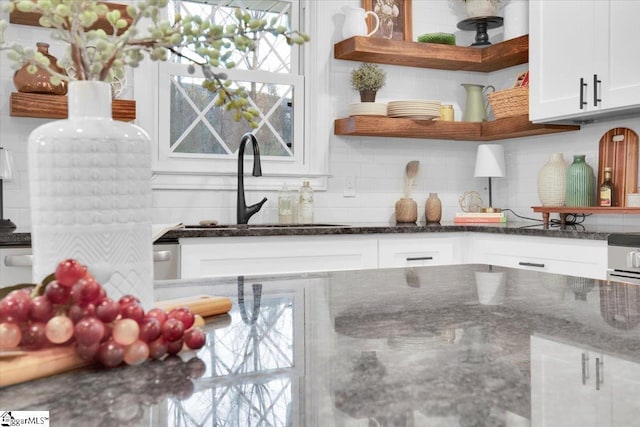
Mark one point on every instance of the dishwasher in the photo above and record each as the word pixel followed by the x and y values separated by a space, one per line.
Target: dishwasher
pixel 15 265
pixel 624 257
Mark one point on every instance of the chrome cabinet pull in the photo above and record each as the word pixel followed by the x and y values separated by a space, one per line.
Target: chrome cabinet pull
pixel 419 258
pixel 599 373
pixel 585 368
pixel 583 86
pixel 596 84
pixel 531 264
pixel 18 260
pixel 159 256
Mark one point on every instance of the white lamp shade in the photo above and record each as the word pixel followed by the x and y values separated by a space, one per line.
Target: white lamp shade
pixel 490 161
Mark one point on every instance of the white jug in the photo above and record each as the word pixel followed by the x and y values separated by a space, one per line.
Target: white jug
pixel 355 23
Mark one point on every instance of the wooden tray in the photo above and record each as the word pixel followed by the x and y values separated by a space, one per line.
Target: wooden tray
pixel 31 365
pixel 619 150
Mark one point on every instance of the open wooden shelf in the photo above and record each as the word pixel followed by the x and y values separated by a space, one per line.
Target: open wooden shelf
pixel 511 127
pixel 55 107
pixel 564 211
pixel 430 55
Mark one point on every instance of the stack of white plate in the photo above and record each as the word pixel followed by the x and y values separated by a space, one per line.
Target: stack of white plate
pixel 368 109
pixel 414 109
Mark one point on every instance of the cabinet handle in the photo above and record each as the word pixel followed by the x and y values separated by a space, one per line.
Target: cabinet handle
pixel 419 258
pixel 599 373
pixel 585 367
pixel 159 256
pixel 596 85
pixel 531 264
pixel 583 85
pixel 18 260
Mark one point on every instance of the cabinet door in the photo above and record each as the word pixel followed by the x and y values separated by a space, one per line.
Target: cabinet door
pixel 622 378
pixel 202 257
pixel 619 66
pixel 563 391
pixel 561 44
pixel 15 266
pixel 416 251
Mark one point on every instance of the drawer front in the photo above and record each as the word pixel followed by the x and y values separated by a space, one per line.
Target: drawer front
pixel 273 256
pixel 585 258
pixel 15 266
pixel 416 252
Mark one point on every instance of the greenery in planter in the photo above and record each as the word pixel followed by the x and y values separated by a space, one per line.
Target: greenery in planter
pixel 368 77
pixel 95 55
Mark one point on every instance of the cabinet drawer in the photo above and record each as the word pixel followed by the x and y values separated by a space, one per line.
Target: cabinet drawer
pixel 291 254
pixel 585 258
pixel 416 251
pixel 15 266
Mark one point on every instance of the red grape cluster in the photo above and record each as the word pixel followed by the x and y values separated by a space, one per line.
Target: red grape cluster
pixel 75 308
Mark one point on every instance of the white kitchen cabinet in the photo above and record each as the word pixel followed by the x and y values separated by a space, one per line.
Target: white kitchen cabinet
pixel 15 266
pixel 229 256
pixel 416 250
pixel 574 386
pixel 583 58
pixel 574 257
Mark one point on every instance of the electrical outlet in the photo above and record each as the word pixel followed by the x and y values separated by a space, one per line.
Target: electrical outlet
pixel 350 186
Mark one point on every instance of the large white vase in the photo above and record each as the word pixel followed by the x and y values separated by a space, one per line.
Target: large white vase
pixel 90 185
pixel 552 180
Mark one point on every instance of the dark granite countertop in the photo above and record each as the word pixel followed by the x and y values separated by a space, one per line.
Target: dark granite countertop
pixel 592 232
pixel 458 345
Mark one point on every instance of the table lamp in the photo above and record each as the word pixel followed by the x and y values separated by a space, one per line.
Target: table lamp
pixel 6 173
pixel 490 164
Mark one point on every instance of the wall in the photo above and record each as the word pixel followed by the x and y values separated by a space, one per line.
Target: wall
pixel 446 167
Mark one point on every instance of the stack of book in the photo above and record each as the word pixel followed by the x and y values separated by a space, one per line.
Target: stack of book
pixel 471 217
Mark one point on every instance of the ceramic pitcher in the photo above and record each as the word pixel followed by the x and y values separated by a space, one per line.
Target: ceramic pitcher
pixel 355 23
pixel 475 109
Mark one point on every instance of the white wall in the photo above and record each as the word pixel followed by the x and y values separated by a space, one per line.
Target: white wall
pixel 446 167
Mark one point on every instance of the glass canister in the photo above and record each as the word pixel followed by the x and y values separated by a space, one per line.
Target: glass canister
pixel 40 81
pixel 579 187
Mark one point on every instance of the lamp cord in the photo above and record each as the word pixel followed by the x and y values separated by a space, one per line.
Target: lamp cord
pixel 573 220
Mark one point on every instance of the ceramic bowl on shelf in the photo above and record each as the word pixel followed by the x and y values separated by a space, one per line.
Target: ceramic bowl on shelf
pixel 368 109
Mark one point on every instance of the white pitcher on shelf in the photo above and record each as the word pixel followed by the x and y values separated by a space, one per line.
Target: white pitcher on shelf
pixel 355 23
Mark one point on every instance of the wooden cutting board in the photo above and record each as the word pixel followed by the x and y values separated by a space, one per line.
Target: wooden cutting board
pixel 619 150
pixel 31 365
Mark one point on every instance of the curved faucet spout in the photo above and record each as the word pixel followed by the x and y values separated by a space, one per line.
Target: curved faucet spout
pixel 244 212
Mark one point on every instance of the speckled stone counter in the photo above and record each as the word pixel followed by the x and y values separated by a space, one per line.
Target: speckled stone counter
pixel 593 232
pixel 432 346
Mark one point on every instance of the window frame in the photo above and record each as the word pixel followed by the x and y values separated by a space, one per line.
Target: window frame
pixel 151 89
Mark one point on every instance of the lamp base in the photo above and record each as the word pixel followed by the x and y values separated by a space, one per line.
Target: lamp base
pixel 491 210
pixel 6 224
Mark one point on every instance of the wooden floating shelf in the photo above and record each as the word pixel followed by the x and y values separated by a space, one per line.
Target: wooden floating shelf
pixel 511 127
pixel 431 55
pixel 55 107
pixel 564 211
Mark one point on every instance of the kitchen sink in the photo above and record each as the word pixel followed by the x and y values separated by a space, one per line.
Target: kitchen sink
pixel 254 226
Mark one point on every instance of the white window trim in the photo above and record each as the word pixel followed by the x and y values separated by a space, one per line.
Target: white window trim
pixel 317 130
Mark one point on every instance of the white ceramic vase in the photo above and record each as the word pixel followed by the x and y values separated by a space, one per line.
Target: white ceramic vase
pixel 90 185
pixel 552 180
pixel 477 8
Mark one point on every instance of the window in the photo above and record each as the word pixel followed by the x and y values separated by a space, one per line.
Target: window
pixel 195 139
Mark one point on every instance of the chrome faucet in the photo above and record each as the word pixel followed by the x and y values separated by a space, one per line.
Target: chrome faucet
pixel 244 212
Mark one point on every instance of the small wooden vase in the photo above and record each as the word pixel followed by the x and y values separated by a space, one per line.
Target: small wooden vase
pixel 406 210
pixel 433 209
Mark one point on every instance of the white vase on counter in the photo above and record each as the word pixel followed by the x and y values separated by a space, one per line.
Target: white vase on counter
pixel 552 180
pixel 90 192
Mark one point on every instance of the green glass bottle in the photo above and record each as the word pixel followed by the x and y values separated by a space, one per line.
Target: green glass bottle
pixel 580 188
